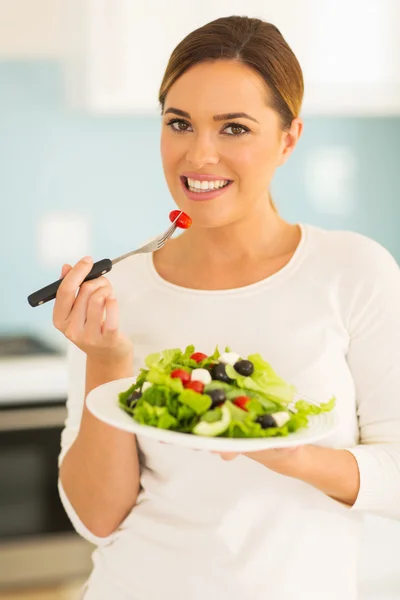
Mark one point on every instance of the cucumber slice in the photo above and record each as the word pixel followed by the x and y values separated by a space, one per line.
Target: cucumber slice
pixel 215 428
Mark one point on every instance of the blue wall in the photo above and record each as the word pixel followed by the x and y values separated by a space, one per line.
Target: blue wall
pixel 109 169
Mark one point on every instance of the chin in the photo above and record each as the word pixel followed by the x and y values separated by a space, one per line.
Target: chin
pixel 212 219
pixel 212 213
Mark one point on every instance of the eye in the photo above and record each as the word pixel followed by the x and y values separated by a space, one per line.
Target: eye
pixel 178 125
pixel 236 129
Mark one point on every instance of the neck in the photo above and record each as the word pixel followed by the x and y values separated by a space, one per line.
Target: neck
pixel 261 234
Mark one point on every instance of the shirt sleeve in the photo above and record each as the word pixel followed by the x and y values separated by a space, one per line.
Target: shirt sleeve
pixel 75 403
pixel 374 360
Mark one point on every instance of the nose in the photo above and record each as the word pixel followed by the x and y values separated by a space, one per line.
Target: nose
pixel 202 151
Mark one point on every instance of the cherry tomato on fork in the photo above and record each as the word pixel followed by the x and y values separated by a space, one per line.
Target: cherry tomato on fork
pixel 184 221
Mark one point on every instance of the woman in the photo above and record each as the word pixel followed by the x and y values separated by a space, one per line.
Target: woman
pixel 322 307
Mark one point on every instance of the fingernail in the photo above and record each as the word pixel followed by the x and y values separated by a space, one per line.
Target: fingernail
pixel 87 259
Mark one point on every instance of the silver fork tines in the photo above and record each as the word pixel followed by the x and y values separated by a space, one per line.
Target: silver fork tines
pixel 167 235
pixel 152 246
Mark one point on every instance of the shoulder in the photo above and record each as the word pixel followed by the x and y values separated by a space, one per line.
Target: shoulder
pixel 350 252
pixel 357 273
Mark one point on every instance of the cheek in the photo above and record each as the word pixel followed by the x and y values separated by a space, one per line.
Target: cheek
pixel 164 150
pixel 256 163
pixel 168 150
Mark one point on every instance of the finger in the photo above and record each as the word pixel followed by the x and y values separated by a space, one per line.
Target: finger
pixel 65 270
pixel 78 313
pixel 66 293
pixel 111 322
pixel 228 455
pixel 96 305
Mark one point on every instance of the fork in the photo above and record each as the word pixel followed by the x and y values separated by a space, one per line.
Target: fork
pixel 102 267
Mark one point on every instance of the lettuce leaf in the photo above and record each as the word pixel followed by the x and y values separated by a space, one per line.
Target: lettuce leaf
pixel 232 392
pixel 162 359
pixel 199 403
pixel 158 378
pixel 186 416
pixel 269 382
pixel 174 358
pixel 155 416
pixel 210 360
pixel 306 408
pixel 123 396
pixel 263 380
pixel 244 426
pixel 156 395
pixel 212 416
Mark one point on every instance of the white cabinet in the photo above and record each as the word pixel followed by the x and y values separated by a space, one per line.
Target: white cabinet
pixel 120 48
pixel 349 50
pixel 351 57
pixel 30 30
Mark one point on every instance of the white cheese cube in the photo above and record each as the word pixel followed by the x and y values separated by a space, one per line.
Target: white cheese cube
pixel 229 358
pixel 281 418
pixel 201 375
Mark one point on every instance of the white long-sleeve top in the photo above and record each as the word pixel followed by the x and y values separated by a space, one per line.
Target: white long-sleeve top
pixel 328 322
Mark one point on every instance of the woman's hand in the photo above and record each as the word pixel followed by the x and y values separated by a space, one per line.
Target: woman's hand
pixel 280 460
pixel 89 319
pixel 332 471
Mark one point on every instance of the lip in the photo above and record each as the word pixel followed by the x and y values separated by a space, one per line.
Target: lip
pixel 204 177
pixel 202 196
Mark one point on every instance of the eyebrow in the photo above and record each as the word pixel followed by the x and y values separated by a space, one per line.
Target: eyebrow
pixel 225 117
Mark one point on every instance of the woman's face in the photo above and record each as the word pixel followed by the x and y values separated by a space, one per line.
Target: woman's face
pixel 205 142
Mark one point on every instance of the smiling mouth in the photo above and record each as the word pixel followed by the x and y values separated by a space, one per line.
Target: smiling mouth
pixel 205 186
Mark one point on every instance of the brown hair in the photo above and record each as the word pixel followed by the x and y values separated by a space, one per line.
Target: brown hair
pixel 252 42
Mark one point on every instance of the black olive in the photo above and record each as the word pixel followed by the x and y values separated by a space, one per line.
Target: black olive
pixel 217 396
pixel 267 421
pixel 244 367
pixel 218 372
pixel 133 398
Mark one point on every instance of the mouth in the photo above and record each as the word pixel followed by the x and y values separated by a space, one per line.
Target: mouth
pixel 200 187
pixel 204 189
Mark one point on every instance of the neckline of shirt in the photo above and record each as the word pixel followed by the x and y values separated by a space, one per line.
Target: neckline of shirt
pixel 273 279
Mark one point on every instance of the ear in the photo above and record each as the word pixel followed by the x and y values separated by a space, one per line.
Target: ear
pixel 290 137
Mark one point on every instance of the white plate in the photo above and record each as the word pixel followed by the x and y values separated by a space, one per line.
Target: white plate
pixel 103 403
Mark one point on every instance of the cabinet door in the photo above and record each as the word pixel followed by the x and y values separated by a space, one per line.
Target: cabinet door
pixel 348 50
pixel 351 64
pixel 119 49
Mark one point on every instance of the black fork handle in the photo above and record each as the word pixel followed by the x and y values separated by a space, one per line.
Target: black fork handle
pixel 49 292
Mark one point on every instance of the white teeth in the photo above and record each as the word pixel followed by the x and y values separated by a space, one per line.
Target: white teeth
pixel 199 186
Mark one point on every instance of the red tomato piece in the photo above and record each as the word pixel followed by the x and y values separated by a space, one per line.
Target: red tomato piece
pixel 196 386
pixel 198 356
pixel 184 221
pixel 241 402
pixel 184 376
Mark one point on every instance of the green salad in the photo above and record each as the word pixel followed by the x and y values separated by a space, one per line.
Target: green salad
pixel 222 395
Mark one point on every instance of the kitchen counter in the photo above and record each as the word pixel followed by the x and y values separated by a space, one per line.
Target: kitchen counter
pixel 33 379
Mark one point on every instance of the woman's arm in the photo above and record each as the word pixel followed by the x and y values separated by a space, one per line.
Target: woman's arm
pixel 334 472
pixel 100 471
pixel 99 466
pixel 367 476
